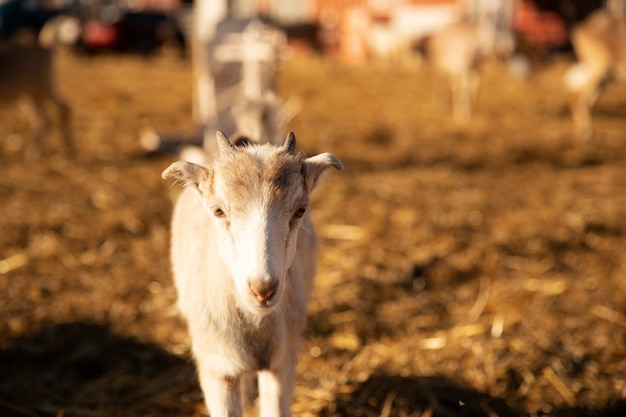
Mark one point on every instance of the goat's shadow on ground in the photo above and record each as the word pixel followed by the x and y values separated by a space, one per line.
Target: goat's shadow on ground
pixel 82 369
pixel 565 153
pixel 610 111
pixel 392 395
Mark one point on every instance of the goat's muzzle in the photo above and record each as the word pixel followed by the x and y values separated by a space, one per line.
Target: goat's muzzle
pixel 263 290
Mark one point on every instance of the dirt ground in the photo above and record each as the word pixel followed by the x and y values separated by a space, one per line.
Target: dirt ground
pixel 476 271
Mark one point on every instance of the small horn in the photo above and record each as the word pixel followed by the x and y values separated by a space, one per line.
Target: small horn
pixel 222 141
pixel 290 143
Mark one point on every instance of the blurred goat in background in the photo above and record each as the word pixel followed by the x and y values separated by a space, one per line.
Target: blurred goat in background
pixel 27 73
pixel 599 42
pixel 456 53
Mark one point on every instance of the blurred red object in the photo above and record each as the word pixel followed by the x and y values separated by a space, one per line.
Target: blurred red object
pixel 97 34
pixel 538 27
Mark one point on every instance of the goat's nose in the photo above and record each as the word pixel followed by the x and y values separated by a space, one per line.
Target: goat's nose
pixel 263 290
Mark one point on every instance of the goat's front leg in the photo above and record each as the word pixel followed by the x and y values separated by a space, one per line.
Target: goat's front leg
pixel 461 100
pixel 276 389
pixel 222 394
pixel 581 116
pixel 65 114
pixel 37 117
pixel 581 103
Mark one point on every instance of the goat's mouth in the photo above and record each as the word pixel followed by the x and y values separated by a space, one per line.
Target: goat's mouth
pixel 264 293
pixel 260 308
pixel 264 305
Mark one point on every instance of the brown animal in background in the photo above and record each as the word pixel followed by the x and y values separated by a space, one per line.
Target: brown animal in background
pixel 600 45
pixel 27 73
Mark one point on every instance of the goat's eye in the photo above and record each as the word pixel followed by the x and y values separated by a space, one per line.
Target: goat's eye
pixel 219 213
pixel 299 213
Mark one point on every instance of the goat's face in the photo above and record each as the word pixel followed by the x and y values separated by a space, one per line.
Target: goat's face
pixel 257 196
pixel 258 199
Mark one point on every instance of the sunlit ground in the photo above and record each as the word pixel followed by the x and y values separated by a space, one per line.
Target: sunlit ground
pixel 464 271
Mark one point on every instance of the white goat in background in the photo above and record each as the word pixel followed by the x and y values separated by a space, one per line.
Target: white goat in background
pixel 254 56
pixel 456 52
pixel 236 86
pixel 27 72
pixel 244 259
pixel 600 45
pixel 264 117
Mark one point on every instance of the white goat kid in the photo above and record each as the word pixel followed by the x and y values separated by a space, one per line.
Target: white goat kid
pixel 243 254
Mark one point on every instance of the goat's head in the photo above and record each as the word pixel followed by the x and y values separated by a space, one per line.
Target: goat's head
pixel 257 196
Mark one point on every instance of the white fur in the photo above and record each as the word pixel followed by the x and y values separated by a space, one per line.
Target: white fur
pixel 577 76
pixel 224 245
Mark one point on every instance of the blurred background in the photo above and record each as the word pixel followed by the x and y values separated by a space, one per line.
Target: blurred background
pixel 334 27
pixel 472 253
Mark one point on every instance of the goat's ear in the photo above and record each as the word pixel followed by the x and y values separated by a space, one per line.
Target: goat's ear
pixel 223 144
pixel 316 165
pixel 188 173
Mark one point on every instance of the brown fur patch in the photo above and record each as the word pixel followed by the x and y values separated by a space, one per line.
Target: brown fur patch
pixel 264 175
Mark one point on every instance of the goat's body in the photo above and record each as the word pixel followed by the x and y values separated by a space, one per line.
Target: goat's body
pixel 389 45
pixel 198 271
pixel 227 341
pixel 19 79
pixel 600 45
pixel 244 257
pixel 27 73
pixel 216 78
pixel 456 52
